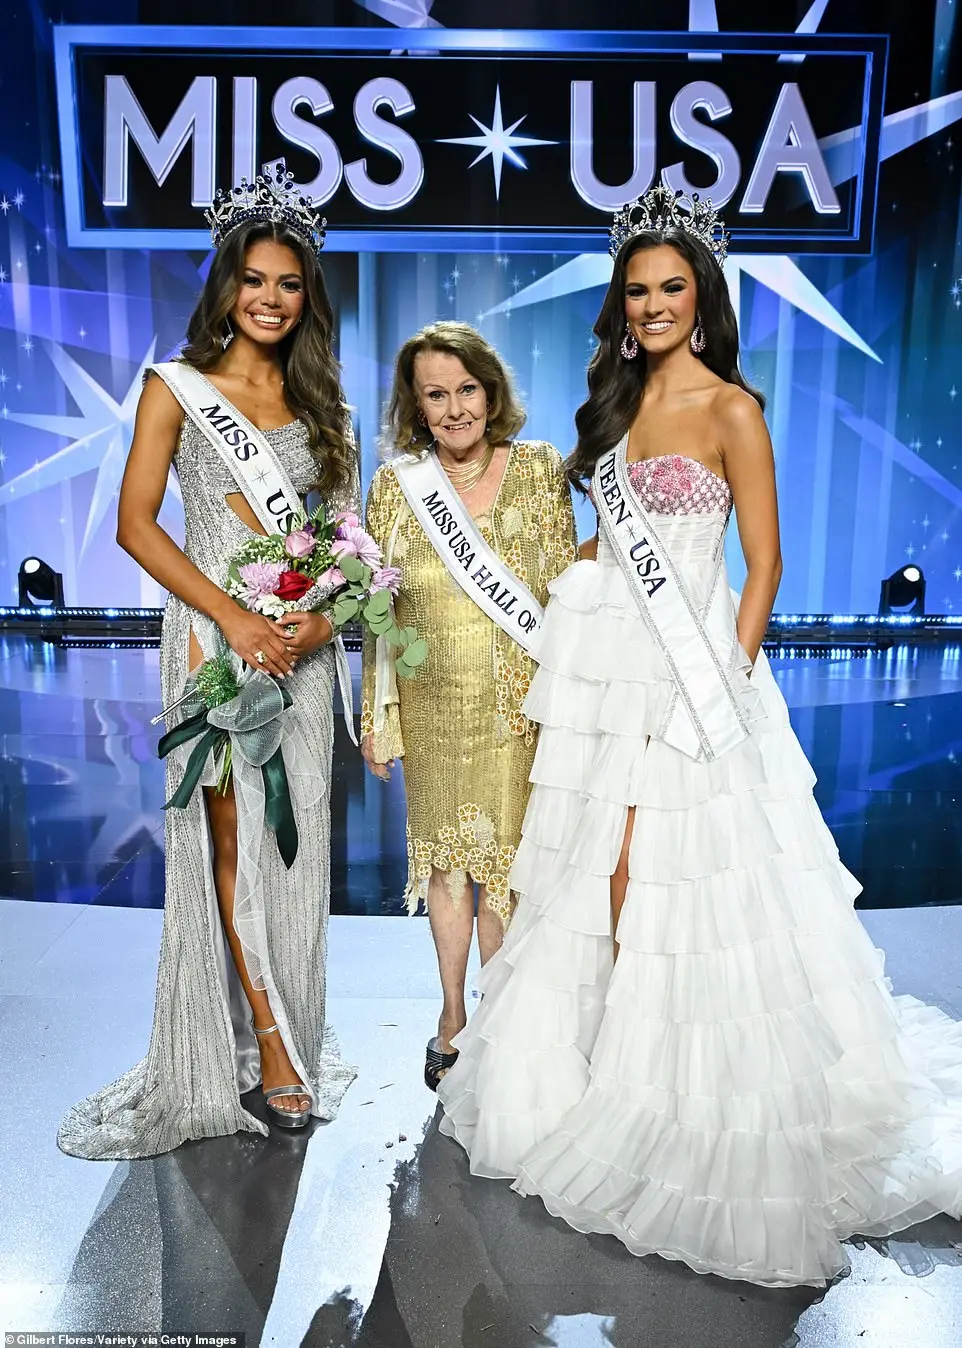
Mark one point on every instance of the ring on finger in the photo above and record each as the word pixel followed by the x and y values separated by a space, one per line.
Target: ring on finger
pixel 260 657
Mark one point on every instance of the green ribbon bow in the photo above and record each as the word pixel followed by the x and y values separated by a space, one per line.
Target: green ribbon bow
pixel 251 722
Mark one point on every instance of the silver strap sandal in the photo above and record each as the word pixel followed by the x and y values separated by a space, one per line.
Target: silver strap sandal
pixel 284 1118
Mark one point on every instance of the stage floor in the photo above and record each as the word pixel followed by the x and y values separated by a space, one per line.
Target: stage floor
pixel 369 1231
pixel 81 789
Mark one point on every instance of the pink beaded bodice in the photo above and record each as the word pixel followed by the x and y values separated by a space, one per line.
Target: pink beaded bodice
pixel 674 485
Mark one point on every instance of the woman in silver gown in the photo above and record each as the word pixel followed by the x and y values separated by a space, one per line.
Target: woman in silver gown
pixel 238 1003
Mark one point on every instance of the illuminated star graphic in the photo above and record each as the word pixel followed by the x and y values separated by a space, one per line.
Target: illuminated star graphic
pixel 498 141
pixel 99 439
pixel 402 13
pixel 18 199
pixel 4 204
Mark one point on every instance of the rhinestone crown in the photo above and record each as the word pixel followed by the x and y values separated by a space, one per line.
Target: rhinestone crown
pixel 272 197
pixel 662 209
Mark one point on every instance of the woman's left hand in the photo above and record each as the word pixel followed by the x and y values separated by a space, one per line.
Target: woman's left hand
pixel 312 630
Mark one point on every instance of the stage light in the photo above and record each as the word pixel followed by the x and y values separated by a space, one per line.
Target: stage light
pixel 39 585
pixel 904 589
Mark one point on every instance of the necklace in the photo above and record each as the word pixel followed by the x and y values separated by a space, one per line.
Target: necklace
pixel 464 476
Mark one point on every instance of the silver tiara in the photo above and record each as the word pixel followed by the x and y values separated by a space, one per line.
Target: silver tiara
pixel 661 209
pixel 272 197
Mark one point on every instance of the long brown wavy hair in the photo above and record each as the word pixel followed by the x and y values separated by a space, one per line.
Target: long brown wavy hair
pixel 506 415
pixel 615 385
pixel 312 376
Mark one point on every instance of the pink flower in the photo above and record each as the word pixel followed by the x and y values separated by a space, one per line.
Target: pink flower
pixel 260 578
pixel 356 542
pixel 299 543
pixel 332 577
pixel 346 517
pixel 386 578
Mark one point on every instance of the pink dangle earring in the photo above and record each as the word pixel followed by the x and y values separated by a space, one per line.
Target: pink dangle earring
pixel 629 344
pixel 698 338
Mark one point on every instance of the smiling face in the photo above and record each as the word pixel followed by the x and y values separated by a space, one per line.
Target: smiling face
pixel 453 402
pixel 270 301
pixel 661 298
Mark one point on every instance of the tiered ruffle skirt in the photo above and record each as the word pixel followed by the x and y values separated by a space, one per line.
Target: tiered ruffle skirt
pixel 739 1089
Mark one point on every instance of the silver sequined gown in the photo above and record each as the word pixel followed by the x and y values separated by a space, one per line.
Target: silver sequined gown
pixel 202 1053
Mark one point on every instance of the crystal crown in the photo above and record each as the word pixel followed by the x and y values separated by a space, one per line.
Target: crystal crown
pixel 272 197
pixel 662 209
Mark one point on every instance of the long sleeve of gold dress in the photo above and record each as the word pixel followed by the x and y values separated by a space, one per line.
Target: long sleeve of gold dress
pixel 467 746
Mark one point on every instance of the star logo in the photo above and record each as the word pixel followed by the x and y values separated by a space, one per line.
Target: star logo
pixel 498 141
pixel 99 438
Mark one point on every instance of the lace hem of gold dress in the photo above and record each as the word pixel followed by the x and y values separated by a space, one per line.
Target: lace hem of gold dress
pixel 467 850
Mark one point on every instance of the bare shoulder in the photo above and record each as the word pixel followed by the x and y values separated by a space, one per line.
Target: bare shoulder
pixel 737 414
pixel 159 420
pixel 158 402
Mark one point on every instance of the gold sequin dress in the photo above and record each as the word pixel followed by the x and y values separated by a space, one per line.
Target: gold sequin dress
pixel 467 745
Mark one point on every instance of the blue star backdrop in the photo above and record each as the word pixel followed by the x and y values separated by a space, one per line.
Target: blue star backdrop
pixel 860 356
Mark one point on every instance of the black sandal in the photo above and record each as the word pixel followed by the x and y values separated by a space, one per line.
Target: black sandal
pixel 437 1063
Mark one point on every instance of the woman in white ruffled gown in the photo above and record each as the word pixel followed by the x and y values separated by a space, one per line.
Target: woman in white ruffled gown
pixel 687 1040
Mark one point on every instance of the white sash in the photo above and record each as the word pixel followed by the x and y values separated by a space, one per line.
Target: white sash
pixel 705 717
pixel 255 468
pixel 455 537
pixel 244 449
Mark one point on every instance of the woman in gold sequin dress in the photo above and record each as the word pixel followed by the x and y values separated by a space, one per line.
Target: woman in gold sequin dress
pixel 467 746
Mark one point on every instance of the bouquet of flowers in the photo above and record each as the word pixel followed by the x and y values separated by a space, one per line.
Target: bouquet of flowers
pixel 325 563
pixel 332 561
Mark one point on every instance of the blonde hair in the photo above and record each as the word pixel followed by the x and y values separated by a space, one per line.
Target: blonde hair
pixel 506 415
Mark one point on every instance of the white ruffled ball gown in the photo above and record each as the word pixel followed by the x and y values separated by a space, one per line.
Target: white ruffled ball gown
pixel 739 1089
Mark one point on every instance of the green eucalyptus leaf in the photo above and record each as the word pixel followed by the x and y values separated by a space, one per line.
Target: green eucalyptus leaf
pixel 409 634
pixel 345 609
pixel 378 603
pixel 415 654
pixel 353 570
pixel 404 671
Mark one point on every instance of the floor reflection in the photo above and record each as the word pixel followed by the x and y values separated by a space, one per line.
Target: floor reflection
pixel 81 789
pixel 191 1238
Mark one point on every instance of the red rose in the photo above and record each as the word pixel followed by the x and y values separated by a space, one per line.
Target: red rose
pixel 293 585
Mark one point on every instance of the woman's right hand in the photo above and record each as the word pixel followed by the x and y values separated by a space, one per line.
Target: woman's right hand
pixel 380 770
pixel 249 633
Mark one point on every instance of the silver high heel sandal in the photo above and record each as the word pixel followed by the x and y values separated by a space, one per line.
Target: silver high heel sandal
pixel 285 1118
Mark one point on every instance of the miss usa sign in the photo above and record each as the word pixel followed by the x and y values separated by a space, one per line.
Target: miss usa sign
pixel 470 140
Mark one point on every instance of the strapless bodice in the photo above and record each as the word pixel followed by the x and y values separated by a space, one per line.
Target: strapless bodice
pixel 672 484
pixel 690 507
